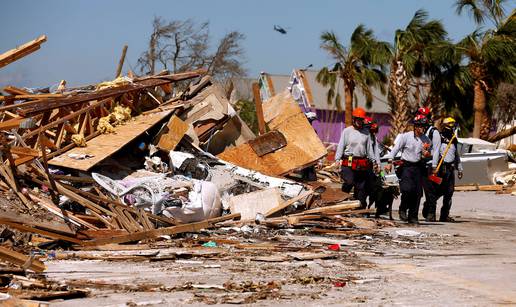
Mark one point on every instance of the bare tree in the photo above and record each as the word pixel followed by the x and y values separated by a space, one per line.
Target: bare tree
pixel 182 45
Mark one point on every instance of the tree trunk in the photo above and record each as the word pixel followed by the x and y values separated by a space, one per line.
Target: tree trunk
pixel 348 99
pixel 502 134
pixel 152 53
pixel 400 108
pixel 479 107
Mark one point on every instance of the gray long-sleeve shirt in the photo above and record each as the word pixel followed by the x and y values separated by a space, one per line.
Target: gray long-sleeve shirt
pixel 376 149
pixel 411 147
pixel 356 143
pixel 436 144
pixel 452 156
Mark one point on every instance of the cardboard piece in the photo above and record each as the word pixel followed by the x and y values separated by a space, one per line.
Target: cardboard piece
pixel 249 204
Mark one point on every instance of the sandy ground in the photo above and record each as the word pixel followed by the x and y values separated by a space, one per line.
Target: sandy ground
pixel 468 263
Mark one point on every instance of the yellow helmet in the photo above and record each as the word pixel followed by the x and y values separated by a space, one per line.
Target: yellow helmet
pixel 449 122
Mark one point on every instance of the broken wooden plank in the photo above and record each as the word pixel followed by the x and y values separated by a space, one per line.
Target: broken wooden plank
pixel 21 51
pixel 44 233
pixel 175 130
pixel 21 260
pixel 155 233
pixel 259 108
pixel 347 205
pixel 11 123
pixel 287 203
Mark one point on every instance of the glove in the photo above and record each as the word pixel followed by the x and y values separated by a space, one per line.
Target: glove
pixel 460 174
pixel 388 168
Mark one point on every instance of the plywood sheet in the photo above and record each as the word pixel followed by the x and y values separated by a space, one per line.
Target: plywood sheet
pixel 249 204
pixel 176 129
pixel 303 145
pixel 105 145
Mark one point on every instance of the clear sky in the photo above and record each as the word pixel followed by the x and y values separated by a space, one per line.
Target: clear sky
pixel 85 38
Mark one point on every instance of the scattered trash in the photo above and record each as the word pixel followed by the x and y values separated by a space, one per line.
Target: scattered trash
pixel 210 244
pixel 334 247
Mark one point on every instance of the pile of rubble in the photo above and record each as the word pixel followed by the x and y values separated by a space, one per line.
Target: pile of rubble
pixel 135 160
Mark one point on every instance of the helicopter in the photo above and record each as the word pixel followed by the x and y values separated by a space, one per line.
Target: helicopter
pixel 280 29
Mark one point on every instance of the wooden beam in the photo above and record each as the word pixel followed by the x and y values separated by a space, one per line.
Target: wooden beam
pixel 21 260
pixel 287 203
pixel 21 51
pixel 121 62
pixel 155 233
pixel 259 108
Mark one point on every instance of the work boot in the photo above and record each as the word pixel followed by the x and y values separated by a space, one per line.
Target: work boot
pixel 430 217
pixel 447 219
pixel 413 221
pixel 403 215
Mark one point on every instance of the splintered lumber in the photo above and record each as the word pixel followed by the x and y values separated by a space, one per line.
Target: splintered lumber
pixel 21 51
pixel 155 233
pixel 44 233
pixel 303 147
pixel 348 205
pixel 138 85
pixel 175 130
pixel 250 204
pixel 11 123
pixel 105 145
pixel 21 260
pixel 287 203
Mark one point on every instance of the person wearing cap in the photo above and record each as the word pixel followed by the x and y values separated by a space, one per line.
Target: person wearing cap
pixel 451 162
pixel 429 187
pixel 355 155
pixel 415 147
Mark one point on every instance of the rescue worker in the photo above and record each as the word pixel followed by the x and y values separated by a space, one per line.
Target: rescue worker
pixel 415 147
pixel 451 162
pixel 375 180
pixel 355 156
pixel 430 188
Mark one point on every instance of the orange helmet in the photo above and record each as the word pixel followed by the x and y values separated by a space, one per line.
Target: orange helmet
pixel 359 113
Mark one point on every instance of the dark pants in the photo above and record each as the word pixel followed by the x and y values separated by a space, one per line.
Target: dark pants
pixel 431 194
pixel 411 188
pixel 357 180
pixel 446 190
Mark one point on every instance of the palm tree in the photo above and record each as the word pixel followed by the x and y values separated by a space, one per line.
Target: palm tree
pixel 410 59
pixel 482 10
pixel 361 65
pixel 491 56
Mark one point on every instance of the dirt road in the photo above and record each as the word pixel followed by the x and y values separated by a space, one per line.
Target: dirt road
pixel 469 263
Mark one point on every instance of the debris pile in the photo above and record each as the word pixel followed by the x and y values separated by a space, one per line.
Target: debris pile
pixel 135 160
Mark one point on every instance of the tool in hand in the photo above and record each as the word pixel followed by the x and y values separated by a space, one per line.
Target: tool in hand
pixel 433 177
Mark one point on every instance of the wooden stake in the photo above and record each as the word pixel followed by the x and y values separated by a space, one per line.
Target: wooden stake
pixel 121 62
pixel 259 108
